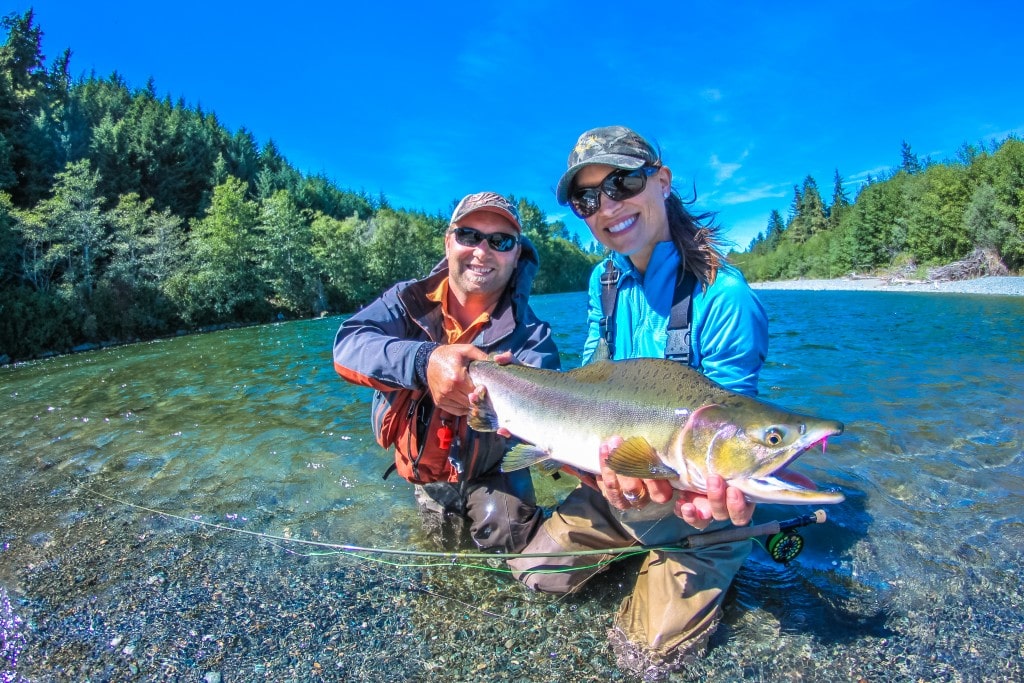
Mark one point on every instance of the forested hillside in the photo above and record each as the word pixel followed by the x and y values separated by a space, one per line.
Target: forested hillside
pixel 920 214
pixel 124 216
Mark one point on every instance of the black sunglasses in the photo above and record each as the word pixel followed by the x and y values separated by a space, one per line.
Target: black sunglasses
pixel 618 185
pixel 499 241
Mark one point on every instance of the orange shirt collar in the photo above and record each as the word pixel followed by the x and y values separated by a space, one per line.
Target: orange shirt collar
pixel 452 328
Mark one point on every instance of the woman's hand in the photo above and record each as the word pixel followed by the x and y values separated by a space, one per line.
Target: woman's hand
pixel 720 503
pixel 628 493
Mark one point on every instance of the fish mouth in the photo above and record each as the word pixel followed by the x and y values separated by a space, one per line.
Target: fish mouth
pixel 799 450
pixel 783 485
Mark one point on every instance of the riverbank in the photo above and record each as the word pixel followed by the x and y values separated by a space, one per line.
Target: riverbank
pixel 1001 285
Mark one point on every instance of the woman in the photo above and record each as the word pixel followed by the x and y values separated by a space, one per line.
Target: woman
pixel 665 265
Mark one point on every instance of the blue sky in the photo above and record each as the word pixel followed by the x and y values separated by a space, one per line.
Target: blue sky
pixel 426 102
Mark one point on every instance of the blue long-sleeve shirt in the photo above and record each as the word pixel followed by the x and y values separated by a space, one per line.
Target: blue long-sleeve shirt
pixel 728 329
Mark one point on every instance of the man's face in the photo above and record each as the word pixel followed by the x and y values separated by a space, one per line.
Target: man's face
pixel 480 270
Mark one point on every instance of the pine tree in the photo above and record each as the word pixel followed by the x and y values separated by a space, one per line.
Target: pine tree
pixel 909 163
pixel 775 230
pixel 812 208
pixel 840 202
pixel 25 111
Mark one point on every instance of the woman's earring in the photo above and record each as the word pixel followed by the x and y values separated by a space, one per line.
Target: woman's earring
pixel 666 195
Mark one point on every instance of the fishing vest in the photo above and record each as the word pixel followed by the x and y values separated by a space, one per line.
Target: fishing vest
pixel 431 445
pixel 677 347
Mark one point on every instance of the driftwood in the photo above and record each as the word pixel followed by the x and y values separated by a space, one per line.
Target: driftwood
pixel 902 276
pixel 906 281
pixel 979 263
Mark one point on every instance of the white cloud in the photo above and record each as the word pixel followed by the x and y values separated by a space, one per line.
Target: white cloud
pixel 753 194
pixel 723 171
pixel 873 172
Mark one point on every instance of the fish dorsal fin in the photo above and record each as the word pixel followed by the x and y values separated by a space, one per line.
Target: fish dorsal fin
pixel 522 456
pixel 594 372
pixel 636 457
pixel 602 352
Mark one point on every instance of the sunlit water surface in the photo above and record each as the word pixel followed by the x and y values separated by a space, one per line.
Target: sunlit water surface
pixel 917 576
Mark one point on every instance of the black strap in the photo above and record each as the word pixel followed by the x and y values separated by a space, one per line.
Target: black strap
pixel 677 347
pixel 609 294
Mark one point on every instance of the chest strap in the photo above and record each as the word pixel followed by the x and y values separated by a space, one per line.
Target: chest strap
pixel 677 347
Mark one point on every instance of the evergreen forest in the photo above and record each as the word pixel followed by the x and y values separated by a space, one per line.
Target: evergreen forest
pixel 125 216
pixel 919 214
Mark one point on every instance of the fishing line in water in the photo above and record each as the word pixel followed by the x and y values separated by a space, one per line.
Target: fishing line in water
pixel 456 559
pixel 783 545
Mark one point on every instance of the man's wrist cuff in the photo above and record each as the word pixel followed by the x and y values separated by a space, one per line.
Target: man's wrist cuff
pixel 422 358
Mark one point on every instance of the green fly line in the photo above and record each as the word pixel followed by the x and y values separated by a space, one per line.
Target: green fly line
pixel 459 559
pixel 783 545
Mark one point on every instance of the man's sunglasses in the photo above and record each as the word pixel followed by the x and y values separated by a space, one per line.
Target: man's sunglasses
pixel 499 241
pixel 618 185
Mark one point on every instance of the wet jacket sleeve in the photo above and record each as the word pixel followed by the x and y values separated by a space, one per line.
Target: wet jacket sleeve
pixel 378 346
pixel 730 333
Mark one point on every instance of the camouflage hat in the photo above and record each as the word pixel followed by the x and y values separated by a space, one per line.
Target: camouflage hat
pixel 616 146
pixel 487 201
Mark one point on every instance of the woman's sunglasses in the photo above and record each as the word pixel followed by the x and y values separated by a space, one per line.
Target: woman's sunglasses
pixel 618 185
pixel 499 241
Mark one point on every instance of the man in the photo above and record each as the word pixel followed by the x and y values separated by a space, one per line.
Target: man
pixel 414 345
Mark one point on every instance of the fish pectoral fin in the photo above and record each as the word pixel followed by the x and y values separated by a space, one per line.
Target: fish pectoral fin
pixel 482 417
pixel 636 457
pixel 549 467
pixel 522 456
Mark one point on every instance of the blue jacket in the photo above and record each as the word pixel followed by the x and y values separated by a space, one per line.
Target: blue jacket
pixel 728 328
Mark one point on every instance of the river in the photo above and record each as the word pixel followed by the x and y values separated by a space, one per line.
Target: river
pixel 138 486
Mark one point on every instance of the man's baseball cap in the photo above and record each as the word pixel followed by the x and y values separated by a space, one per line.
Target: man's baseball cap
pixel 487 201
pixel 616 146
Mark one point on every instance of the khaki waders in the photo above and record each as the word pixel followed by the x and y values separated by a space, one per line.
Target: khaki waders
pixel 676 603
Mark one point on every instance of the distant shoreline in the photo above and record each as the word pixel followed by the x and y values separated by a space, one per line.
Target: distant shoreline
pixel 999 285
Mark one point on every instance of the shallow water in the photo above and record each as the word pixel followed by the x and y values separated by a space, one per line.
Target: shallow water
pixel 917 576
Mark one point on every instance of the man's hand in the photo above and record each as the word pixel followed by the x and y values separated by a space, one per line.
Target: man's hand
pixel 721 502
pixel 628 493
pixel 476 396
pixel 448 376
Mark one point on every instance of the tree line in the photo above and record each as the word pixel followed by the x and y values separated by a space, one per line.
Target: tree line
pixel 920 213
pixel 126 216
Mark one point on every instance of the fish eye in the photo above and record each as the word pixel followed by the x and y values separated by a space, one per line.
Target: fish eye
pixel 773 437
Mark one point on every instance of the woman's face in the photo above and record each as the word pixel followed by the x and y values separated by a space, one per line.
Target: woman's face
pixel 632 226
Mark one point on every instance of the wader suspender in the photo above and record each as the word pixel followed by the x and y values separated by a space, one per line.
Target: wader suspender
pixel 677 347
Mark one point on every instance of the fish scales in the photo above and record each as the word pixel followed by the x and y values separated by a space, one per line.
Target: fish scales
pixel 677 424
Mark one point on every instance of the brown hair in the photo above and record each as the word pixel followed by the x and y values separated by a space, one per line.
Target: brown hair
pixel 697 238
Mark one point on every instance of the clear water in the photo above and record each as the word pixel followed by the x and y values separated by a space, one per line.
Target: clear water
pixel 916 576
